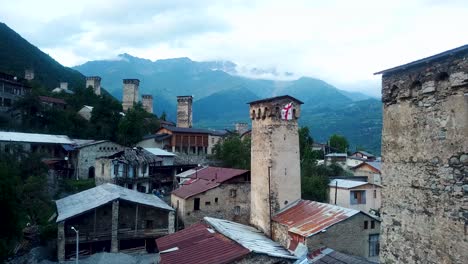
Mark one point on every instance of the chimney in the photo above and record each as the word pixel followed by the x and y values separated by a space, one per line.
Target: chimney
pixel 184 111
pixel 64 85
pixel 241 128
pixel 147 101
pixel 130 93
pixel 95 83
pixel 29 74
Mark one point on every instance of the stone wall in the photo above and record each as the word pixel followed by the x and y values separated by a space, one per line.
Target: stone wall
pixel 130 93
pixel 95 83
pixel 221 204
pixel 348 236
pixel 275 168
pixel 147 101
pixel 87 157
pixel 425 162
pixel 184 111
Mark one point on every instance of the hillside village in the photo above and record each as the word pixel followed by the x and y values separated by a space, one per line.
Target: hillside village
pixel 167 193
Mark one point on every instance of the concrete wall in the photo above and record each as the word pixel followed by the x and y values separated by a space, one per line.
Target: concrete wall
pixel 275 151
pixel 425 163
pixel 224 208
pixel 343 198
pixel 130 93
pixel 348 237
pixel 87 157
pixel 151 143
pixel 184 111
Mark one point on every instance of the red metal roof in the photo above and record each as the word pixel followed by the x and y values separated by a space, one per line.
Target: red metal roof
pixel 52 100
pixel 199 244
pixel 306 218
pixel 206 179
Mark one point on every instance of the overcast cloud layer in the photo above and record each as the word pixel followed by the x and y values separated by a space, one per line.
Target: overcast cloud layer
pixel 342 42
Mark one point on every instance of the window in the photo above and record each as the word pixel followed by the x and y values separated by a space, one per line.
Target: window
pixel 357 197
pixel 366 224
pixel 375 193
pixel 116 169
pixel 143 168
pixel 237 210
pixel 196 204
pixel 372 224
pixel 207 203
pixel 233 193
pixel 149 224
pixel 130 186
pixel 374 245
pixel 216 200
pixel 102 169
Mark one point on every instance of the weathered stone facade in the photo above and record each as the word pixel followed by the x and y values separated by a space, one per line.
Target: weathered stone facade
pixel 85 160
pixel 218 202
pixel 147 101
pixel 95 83
pixel 130 93
pixel 425 160
pixel 275 169
pixel 184 111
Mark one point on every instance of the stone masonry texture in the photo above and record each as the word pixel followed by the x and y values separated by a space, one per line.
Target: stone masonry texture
pixel 425 162
pixel 184 111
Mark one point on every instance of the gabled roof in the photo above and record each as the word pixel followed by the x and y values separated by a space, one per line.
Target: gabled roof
pixel 365 153
pixel 337 155
pixel 249 237
pixel 276 98
pixel 199 244
pixel 54 100
pixel 206 179
pixel 160 152
pixel 135 156
pixel 81 143
pixel 34 138
pixel 374 164
pixel 84 201
pixel 328 255
pixel 426 60
pixel 307 218
pixel 346 184
pixel 196 130
pixel 157 137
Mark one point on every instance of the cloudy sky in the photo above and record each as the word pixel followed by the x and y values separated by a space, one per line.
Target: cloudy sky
pixel 342 42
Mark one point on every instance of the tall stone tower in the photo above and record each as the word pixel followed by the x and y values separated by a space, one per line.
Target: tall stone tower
pixel 95 83
pixel 130 93
pixel 184 111
pixel 29 74
pixel 64 85
pixel 147 101
pixel 425 160
pixel 275 167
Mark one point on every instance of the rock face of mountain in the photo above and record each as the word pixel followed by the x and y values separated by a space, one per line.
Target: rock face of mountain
pixel 221 96
pixel 17 55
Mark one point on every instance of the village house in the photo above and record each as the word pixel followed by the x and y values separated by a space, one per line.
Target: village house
pixel 353 161
pixel 371 169
pixel 11 89
pixel 86 112
pixel 364 155
pixel 111 218
pixel 219 241
pixel 161 141
pixel 357 195
pixel 52 102
pixel 336 158
pixel 85 152
pixel 132 168
pixel 216 192
pixel 317 225
pixel 63 88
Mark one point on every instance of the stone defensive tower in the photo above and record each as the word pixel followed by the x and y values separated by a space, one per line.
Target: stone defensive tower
pixel 184 111
pixel 130 93
pixel 147 101
pixel 275 168
pixel 29 74
pixel 64 85
pixel 425 160
pixel 95 83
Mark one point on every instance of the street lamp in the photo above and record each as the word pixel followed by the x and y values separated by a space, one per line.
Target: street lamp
pixel 77 243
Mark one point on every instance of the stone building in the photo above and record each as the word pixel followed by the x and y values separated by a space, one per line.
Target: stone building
pixel 111 218
pixel 425 160
pixel 276 175
pixel 132 168
pixel 371 169
pixel 85 153
pixel 11 88
pixel 95 83
pixel 317 225
pixel 184 111
pixel 147 101
pixel 356 195
pixel 130 93
pixel 29 74
pixel 86 112
pixel 214 191
pixel 52 102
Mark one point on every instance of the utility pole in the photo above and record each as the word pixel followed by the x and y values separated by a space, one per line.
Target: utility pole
pixel 77 243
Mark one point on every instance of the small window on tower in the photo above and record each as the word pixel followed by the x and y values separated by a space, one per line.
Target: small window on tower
pixel 233 193
pixel 366 224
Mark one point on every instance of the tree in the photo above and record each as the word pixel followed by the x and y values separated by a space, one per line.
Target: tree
pixel 163 116
pixel 339 143
pixel 233 152
pixel 135 124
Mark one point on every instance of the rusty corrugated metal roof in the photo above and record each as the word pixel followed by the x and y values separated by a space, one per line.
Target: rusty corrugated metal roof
pixel 199 244
pixel 218 174
pixel 307 218
pixel 195 187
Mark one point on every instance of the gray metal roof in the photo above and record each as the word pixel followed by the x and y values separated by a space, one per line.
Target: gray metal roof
pixel 337 155
pixel 34 138
pixel 84 201
pixel 160 152
pixel 276 98
pixel 432 58
pixel 249 237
